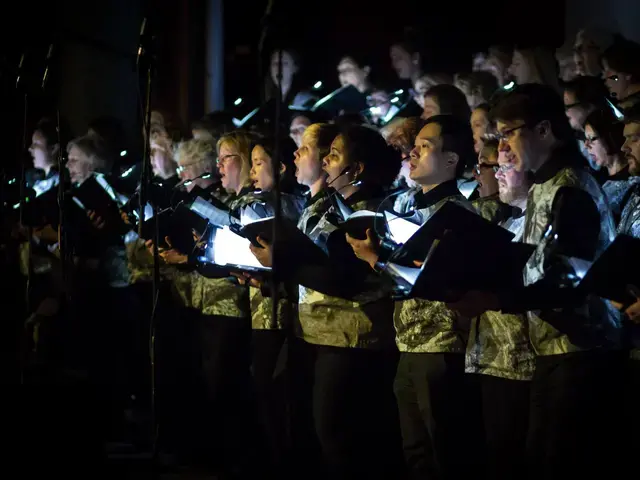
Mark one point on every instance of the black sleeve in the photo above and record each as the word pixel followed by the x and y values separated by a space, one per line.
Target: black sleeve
pixel 344 275
pixel 576 221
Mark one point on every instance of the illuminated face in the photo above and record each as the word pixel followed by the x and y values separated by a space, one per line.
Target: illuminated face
pixel 485 172
pixel 308 162
pixel 479 126
pixel 261 169
pixel 41 153
pixel 596 148
pixel 512 183
pixel 335 163
pixel 79 165
pixel 350 73
pixel 517 143
pixel 587 57
pixel 631 147
pixel 429 165
pixel 230 168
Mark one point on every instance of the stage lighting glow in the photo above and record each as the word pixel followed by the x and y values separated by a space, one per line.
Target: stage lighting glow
pixel 317 85
pixel 237 101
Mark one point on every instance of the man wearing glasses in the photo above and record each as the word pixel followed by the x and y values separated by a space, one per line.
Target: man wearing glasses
pixel 576 340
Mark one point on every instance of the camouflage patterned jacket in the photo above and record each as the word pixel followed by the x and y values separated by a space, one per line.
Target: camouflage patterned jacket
pixel 499 342
pixel 424 326
pixel 594 324
pixel 492 209
pixel 630 225
pixel 216 296
pixel 261 304
pixel 364 321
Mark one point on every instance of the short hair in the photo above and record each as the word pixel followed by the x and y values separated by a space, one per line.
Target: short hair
pixel 196 150
pixel 367 146
pixel 243 142
pixel 607 128
pixel 94 149
pixel 405 133
pixel 588 91
pixel 457 137
pixel 451 101
pixel 534 103
pixel 623 57
pixel 323 134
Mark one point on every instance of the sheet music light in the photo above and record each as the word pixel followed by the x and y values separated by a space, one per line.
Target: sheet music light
pixel 227 248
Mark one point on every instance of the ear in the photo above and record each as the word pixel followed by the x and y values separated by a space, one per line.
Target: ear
pixel 452 160
pixel 359 168
pixel 54 149
pixel 283 168
pixel 366 70
pixel 415 59
pixel 543 128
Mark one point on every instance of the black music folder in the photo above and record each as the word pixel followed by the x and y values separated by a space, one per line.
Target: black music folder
pixel 451 217
pixel 293 244
pixel 345 99
pixel 457 263
pixel 91 195
pixel 615 275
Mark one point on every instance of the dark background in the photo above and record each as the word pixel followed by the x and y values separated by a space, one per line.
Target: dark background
pixel 92 71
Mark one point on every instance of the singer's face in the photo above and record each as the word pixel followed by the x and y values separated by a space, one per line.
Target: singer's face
pixel 261 170
pixel 230 168
pixel 78 165
pixel 308 162
pixel 428 165
pixel 631 147
pixel 40 151
pixel 335 163
pixel 511 181
pixel 479 126
pixel 297 128
pixel 518 144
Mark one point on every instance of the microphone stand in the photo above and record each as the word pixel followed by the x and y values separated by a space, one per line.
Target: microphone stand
pixel 23 189
pixel 146 52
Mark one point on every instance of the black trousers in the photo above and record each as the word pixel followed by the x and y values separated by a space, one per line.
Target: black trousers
pixel 270 388
pixel 439 416
pixel 354 413
pixel 575 414
pixel 505 412
pixel 631 421
pixel 230 424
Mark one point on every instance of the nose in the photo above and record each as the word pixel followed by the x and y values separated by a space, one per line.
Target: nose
pixel 503 146
pixel 325 162
pixel 414 153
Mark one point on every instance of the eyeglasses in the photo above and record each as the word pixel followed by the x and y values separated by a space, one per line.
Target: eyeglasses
pixel 483 166
pixel 590 139
pixel 224 160
pixel 182 168
pixel 507 134
pixel 505 167
pixel 615 78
